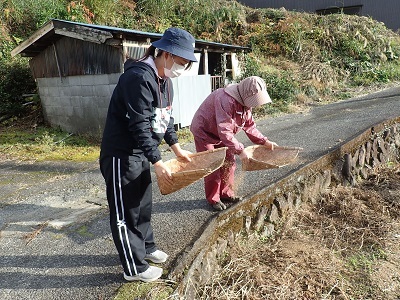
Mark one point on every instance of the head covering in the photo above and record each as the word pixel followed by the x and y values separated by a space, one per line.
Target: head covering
pixel 250 92
pixel 177 42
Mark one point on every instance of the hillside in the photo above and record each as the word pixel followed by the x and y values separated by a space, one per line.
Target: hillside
pixel 305 58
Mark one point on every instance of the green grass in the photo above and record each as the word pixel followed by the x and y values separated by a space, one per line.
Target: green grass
pixel 49 144
pixel 46 144
pixel 147 291
pixel 364 261
pixel 84 232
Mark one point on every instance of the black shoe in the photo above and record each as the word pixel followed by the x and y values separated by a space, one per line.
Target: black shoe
pixel 219 206
pixel 232 199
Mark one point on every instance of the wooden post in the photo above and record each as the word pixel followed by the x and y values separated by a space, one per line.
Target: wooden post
pixel 57 62
pixel 205 66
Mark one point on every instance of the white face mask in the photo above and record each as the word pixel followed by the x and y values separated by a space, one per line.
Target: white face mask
pixel 175 71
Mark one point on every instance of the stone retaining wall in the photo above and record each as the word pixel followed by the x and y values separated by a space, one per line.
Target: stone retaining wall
pixel 264 211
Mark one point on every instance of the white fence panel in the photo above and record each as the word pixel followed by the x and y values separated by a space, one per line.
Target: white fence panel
pixel 189 93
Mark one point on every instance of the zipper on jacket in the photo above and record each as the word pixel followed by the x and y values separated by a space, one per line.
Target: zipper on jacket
pixel 164 96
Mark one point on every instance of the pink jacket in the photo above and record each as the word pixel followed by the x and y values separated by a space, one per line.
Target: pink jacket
pixel 220 117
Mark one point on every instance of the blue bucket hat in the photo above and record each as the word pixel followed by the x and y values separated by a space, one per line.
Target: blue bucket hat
pixel 177 42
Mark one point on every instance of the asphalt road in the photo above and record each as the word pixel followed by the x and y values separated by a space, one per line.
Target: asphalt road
pixel 55 241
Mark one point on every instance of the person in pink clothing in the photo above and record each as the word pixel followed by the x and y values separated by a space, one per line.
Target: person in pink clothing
pixel 224 113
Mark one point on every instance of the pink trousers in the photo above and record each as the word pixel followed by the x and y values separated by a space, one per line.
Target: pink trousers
pixel 218 184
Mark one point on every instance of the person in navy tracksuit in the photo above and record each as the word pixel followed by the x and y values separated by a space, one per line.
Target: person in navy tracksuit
pixel 138 119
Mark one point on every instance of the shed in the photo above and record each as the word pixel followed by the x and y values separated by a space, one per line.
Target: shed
pixel 77 65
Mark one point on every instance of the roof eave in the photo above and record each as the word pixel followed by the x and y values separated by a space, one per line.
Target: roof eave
pixel 48 27
pixel 99 34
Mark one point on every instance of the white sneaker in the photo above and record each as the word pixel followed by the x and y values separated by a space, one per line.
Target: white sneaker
pixel 157 256
pixel 151 274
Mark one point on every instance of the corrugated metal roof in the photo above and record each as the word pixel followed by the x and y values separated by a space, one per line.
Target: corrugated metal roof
pixel 55 29
pixel 112 28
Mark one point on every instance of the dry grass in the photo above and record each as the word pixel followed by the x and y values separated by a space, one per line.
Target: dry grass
pixel 29 237
pixel 343 247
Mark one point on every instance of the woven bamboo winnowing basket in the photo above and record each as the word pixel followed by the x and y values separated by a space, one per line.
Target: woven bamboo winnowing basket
pixel 260 157
pixel 185 173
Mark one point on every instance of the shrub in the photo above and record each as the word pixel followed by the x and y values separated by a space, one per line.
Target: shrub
pixel 251 67
pixel 15 81
pixel 23 17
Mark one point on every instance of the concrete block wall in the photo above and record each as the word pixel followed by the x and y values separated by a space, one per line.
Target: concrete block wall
pixel 77 104
pixel 265 210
